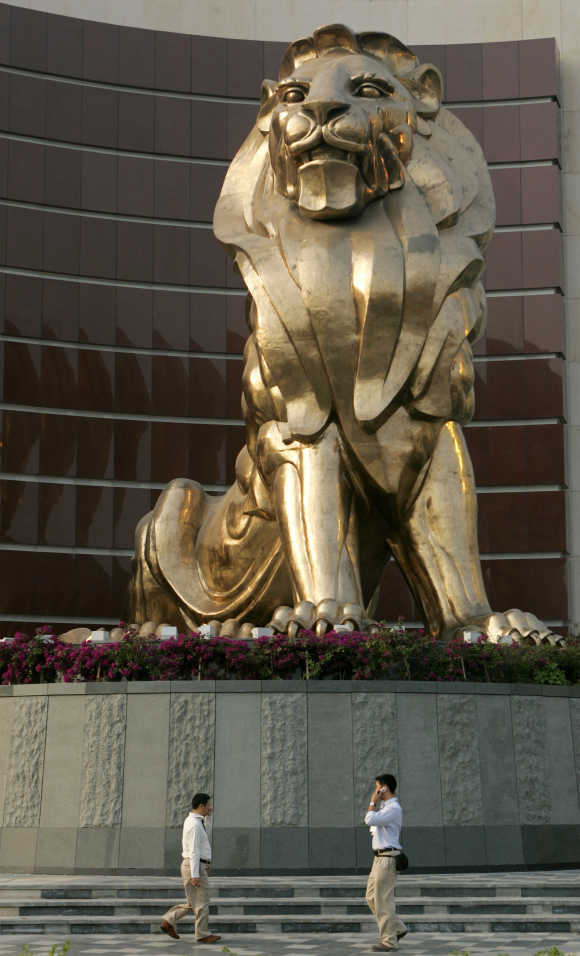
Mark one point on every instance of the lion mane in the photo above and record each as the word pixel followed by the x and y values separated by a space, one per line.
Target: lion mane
pixel 410 317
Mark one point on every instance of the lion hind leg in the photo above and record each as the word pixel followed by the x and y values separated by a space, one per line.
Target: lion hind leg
pixel 437 547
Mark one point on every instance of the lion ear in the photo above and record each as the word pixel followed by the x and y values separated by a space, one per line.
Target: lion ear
pixel 267 101
pixel 427 89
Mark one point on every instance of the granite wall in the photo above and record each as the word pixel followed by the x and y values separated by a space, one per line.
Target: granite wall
pixel 98 777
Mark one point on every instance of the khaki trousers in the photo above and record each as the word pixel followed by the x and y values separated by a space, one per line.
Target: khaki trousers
pixel 380 897
pixel 197 901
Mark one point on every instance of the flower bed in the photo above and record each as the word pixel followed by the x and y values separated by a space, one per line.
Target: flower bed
pixel 394 653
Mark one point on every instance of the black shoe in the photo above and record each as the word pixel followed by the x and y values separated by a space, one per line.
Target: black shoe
pixel 400 935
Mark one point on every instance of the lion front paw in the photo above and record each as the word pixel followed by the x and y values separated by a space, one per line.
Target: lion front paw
pixel 321 617
pixel 515 625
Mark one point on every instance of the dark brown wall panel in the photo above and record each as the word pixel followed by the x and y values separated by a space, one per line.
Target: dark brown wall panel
pixel 539 68
pixel 500 68
pixel 538 583
pixel 528 68
pixel 106 517
pixel 524 260
pixel 522 522
pixel 523 324
pixel 464 72
pixel 517 454
pixel 532 388
pixel 541 196
pixel 182 143
pixel 19 512
pixel 533 583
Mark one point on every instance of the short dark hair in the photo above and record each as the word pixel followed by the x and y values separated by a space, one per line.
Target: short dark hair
pixel 387 780
pixel 199 799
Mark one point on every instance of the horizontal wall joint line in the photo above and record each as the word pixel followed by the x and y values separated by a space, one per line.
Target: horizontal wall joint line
pixel 126 552
pixel 121 349
pixel 91 214
pixel 216 98
pixel 226 356
pixel 512 422
pixel 119 416
pixel 121 283
pixel 97 482
pixel 135 90
pixel 114 151
pixel 58 549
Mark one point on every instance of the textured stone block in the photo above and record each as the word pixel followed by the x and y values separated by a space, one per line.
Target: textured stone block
pixel 97 848
pixel 551 845
pixel 465 847
pixel 575 727
pixel 18 849
pixel 363 848
pixel 457 727
pixel 146 762
pixel 496 758
pixel 191 752
pixel 285 848
pixel 530 746
pixel 62 764
pixel 332 848
pixel 284 766
pixel 561 775
pixel 6 710
pixel 420 784
pixel 374 732
pixel 424 846
pixel 26 762
pixel 56 848
pixel 103 756
pixel 503 845
pixel 142 848
pixel 330 764
pixel 236 848
pixel 173 850
pixel 237 760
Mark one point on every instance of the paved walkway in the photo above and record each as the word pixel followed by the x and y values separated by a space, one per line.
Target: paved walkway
pixel 319 944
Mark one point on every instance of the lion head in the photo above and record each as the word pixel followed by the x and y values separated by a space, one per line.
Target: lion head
pixel 357 211
pixel 343 116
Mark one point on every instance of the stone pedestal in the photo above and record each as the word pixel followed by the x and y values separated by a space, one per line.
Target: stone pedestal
pixel 98 777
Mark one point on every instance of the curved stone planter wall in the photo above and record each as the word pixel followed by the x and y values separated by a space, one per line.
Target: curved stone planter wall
pixel 98 777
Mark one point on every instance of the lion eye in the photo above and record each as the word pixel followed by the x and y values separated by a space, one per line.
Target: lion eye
pixel 370 91
pixel 294 95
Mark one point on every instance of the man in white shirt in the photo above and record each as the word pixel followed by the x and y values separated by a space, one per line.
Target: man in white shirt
pixel 385 819
pixel 196 850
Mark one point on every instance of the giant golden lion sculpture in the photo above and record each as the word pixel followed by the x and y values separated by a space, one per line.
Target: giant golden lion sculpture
pixel 357 211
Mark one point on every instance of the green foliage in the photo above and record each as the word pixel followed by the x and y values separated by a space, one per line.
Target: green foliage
pixel 57 949
pixel 550 673
pixel 226 949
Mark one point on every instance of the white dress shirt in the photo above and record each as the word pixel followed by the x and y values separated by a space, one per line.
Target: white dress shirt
pixel 385 824
pixel 195 842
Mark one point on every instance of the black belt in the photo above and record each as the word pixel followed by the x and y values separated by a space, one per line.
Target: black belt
pixel 386 849
pixel 207 862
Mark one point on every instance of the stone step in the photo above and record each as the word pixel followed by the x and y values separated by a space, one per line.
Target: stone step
pixel 235 888
pixel 450 923
pixel 316 906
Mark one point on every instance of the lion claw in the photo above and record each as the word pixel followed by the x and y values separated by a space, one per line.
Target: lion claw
pixel 516 625
pixel 321 618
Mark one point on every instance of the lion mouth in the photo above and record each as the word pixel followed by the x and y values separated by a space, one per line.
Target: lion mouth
pixel 326 153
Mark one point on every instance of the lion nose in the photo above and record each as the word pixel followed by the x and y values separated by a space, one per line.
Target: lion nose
pixel 324 110
pixel 297 127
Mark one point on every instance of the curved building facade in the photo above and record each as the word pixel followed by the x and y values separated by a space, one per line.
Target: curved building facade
pixel 123 321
